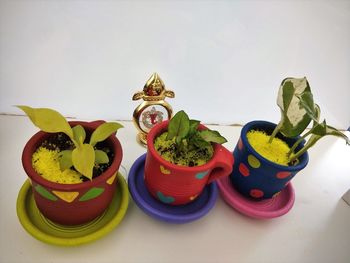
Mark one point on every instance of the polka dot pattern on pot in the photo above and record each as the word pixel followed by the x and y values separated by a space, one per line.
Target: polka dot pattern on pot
pixel 253 161
pixel 243 169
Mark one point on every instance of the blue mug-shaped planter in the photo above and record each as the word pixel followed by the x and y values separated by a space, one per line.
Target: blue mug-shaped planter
pixel 253 175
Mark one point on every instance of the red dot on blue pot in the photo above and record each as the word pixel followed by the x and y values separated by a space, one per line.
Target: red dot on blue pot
pixel 282 175
pixel 256 193
pixel 243 169
pixel 240 144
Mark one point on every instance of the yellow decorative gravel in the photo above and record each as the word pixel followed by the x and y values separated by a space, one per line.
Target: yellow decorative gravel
pixel 276 151
pixel 45 162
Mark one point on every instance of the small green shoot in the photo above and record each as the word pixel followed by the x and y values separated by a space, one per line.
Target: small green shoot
pixel 187 135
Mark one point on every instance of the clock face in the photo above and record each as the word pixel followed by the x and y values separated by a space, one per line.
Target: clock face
pixel 151 115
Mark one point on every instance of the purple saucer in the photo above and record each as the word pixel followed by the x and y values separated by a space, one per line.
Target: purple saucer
pixel 172 214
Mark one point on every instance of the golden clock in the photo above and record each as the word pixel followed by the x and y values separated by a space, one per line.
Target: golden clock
pixel 154 109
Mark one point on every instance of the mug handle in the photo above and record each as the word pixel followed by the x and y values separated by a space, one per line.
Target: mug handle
pixel 223 165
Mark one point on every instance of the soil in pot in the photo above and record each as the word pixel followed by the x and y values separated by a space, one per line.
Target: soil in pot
pixel 188 156
pixel 276 151
pixel 45 160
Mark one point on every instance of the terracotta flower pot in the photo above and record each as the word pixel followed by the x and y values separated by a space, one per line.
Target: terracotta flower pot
pixel 253 175
pixel 72 204
pixel 176 185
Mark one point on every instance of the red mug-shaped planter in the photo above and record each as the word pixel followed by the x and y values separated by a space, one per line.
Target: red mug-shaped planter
pixel 177 185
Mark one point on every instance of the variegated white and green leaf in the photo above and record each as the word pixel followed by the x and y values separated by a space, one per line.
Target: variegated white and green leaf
pixel 318 131
pixel 322 129
pixel 333 131
pixel 317 115
pixel 296 103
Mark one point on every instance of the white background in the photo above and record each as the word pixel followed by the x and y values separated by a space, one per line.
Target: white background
pixel 87 58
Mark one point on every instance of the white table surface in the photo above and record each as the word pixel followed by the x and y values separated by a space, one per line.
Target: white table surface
pixel 317 229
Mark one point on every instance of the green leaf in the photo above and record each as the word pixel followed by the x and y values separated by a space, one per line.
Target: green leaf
pixel 79 134
pixel 333 131
pixel 198 141
pixel 65 159
pixel 104 131
pixel 212 136
pixel 83 158
pixel 193 127
pixel 179 126
pixel 101 157
pixel 310 142
pixel 48 120
pixel 288 93
pixel 317 115
pixel 295 101
pixel 319 129
pixel 306 102
pixel 322 129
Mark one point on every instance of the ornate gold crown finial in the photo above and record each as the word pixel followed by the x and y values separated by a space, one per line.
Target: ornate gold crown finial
pixel 154 86
pixel 153 108
pixel 154 90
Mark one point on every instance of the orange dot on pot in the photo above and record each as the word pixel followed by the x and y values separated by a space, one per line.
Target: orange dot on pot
pixel 282 175
pixel 256 193
pixel 243 169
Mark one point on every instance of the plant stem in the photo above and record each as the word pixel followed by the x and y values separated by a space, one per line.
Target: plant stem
pixel 295 145
pixel 298 154
pixel 275 131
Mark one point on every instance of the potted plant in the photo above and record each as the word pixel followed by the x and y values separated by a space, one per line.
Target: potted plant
pixel 268 156
pixel 183 156
pixel 72 166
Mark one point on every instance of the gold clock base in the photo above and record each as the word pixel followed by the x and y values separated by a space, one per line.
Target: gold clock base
pixel 142 138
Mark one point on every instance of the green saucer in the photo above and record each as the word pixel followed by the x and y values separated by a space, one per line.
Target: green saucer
pixel 45 230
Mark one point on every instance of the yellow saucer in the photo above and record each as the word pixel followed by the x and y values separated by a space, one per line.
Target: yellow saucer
pixel 49 232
